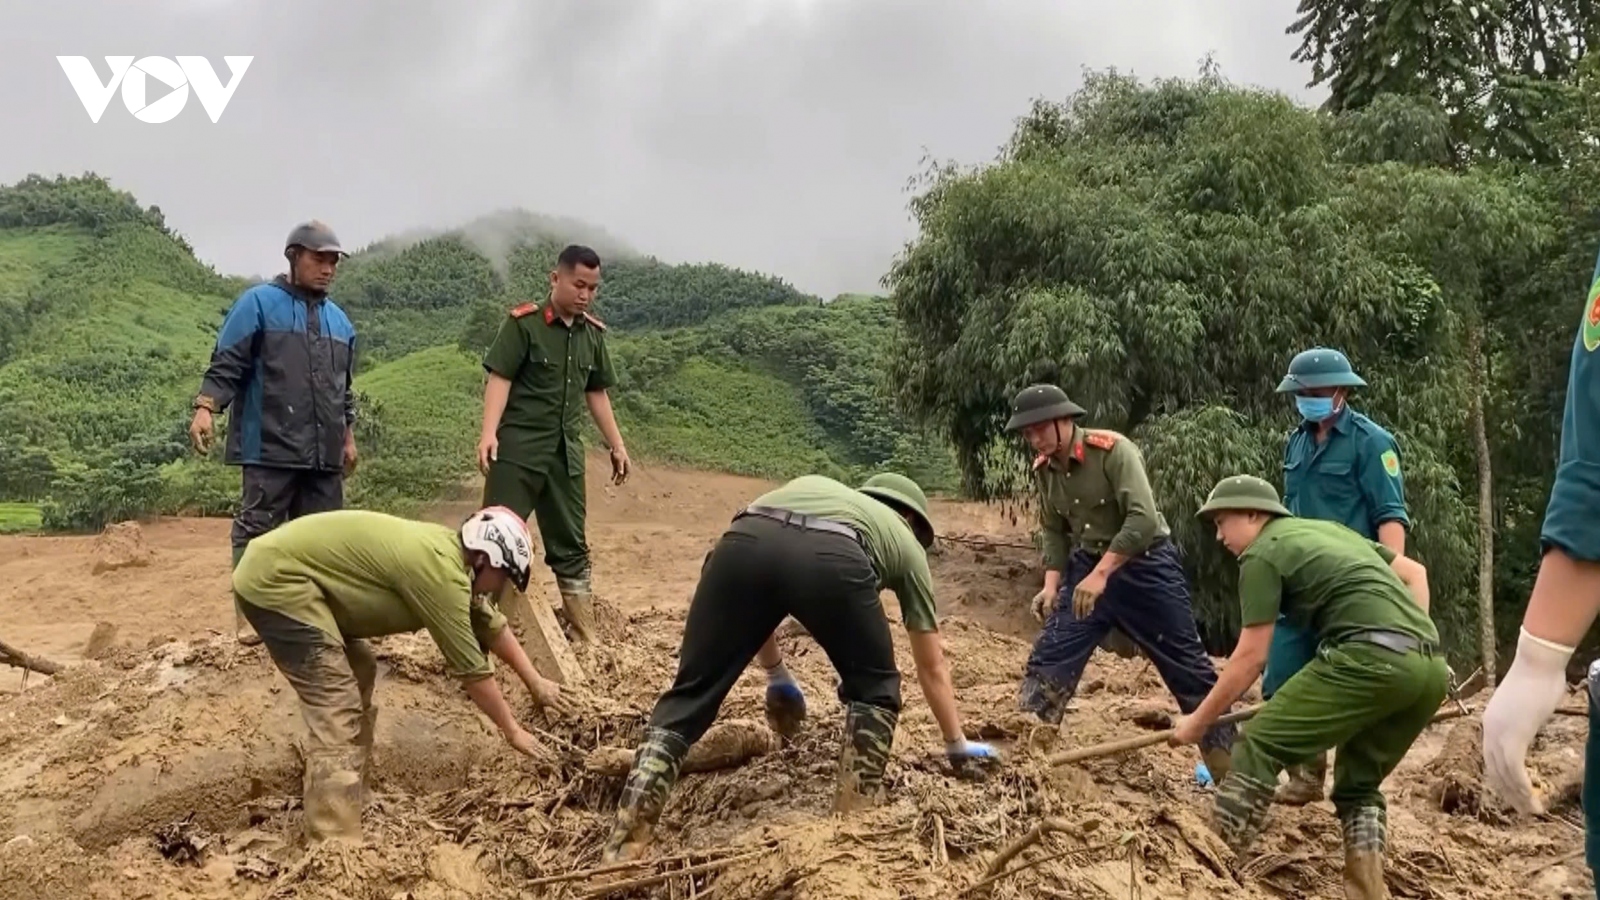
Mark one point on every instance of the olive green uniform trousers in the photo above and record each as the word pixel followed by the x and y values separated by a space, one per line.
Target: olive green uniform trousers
pixel 556 501
pixel 1368 702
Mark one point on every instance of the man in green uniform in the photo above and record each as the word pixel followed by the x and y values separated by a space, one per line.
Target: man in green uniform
pixel 1375 684
pixel 1124 571
pixel 1340 466
pixel 1565 601
pixel 819 551
pixel 315 587
pixel 545 365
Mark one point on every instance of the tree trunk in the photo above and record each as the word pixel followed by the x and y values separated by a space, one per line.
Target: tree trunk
pixel 1480 436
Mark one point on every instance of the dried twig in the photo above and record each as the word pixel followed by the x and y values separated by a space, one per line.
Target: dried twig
pixel 941 853
pixel 985 542
pixel 11 656
pixel 649 880
pixel 643 863
pixel 1032 837
pixel 1551 863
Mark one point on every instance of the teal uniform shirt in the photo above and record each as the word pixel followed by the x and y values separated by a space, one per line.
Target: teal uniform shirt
pixel 1571 520
pixel 1352 478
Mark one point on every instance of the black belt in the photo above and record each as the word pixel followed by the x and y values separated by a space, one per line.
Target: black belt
pixel 800 520
pixel 1398 641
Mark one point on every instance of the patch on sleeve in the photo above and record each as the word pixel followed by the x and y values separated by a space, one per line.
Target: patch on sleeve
pixel 1100 439
pixel 523 310
pixel 1591 320
pixel 1391 463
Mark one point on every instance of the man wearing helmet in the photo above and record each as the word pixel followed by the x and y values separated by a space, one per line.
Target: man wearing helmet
pixel 549 362
pixel 1340 466
pixel 283 365
pixel 819 551
pixel 316 587
pixel 1375 684
pixel 1124 571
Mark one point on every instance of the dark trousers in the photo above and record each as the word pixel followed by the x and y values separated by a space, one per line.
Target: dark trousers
pixel 1591 779
pixel 272 496
pixel 1148 599
pixel 556 502
pixel 759 572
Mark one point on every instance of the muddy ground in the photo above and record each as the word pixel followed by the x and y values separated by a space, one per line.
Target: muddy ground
pixel 163 764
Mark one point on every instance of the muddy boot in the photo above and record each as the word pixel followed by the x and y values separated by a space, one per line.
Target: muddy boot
pixel 868 736
pixel 333 789
pixel 1365 837
pixel 577 601
pixel 1241 809
pixel 242 632
pixel 1305 782
pixel 644 795
pixel 1045 699
pixel 1219 762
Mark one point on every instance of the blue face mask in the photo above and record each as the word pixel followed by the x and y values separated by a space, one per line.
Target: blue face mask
pixel 1314 409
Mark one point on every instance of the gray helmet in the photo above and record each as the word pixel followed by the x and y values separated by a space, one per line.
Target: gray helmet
pixel 1240 493
pixel 1319 367
pixel 313 236
pixel 1041 403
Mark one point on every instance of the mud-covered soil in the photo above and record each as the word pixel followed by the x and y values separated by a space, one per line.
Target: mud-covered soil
pixel 166 765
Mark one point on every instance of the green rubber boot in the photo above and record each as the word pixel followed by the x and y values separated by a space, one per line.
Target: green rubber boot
pixel 655 770
pixel 868 737
pixel 1365 839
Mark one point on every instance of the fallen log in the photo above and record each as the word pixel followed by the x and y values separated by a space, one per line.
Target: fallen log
pixel 1112 748
pixel 724 746
pixel 11 656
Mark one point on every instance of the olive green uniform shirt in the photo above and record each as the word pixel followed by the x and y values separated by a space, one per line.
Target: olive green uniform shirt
pixel 354 573
pixel 550 365
pixel 1328 579
pixel 1099 500
pixel 900 561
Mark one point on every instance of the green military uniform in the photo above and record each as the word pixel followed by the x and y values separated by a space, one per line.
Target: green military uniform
pixel 1375 684
pixel 314 588
pixel 1351 476
pixel 539 469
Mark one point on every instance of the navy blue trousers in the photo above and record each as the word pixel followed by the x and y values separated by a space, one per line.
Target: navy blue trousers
pixel 1148 599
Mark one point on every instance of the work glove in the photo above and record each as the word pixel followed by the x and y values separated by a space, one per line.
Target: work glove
pixel 1523 702
pixel 1044 603
pixel 965 755
pixel 786 704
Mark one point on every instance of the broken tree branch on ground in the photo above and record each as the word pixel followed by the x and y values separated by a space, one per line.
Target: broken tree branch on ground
pixel 11 656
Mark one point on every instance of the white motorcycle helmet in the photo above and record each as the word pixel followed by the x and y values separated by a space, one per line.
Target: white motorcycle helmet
pixel 501 535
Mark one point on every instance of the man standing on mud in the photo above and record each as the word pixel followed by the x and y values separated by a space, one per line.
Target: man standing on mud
pixel 547 363
pixel 1376 682
pixel 1125 571
pixel 316 588
pixel 819 551
pixel 1340 466
pixel 1564 603
pixel 283 364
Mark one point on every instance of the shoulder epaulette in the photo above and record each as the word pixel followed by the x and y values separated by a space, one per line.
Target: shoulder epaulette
pixel 593 321
pixel 1103 440
pixel 523 310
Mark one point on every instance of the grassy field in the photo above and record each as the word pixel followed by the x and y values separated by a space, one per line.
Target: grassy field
pixel 16 518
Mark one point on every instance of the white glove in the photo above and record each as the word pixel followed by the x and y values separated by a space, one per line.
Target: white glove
pixel 1522 703
pixel 1043 604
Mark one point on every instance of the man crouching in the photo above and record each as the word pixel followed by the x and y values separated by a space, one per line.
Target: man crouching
pixel 316 586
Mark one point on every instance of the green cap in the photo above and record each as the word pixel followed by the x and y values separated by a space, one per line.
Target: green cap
pixel 903 494
pixel 1041 403
pixel 1243 492
pixel 1319 367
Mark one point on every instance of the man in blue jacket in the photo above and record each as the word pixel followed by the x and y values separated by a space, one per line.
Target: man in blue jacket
pixel 283 365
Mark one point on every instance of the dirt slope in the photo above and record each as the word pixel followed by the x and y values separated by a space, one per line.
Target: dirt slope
pixel 166 765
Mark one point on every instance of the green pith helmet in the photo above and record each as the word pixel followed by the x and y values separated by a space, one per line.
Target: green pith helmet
pixel 1319 367
pixel 1041 403
pixel 314 236
pixel 1243 492
pixel 902 493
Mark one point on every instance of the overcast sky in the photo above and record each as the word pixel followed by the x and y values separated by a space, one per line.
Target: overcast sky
pixel 769 134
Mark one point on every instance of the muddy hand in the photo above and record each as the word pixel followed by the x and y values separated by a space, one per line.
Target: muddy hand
pixel 621 465
pixel 1044 603
pixel 200 430
pixel 549 695
pixel 971 757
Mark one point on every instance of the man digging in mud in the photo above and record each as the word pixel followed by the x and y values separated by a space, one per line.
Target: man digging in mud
pixel 315 587
pixel 819 551
pixel 1125 572
pixel 547 363
pixel 1376 682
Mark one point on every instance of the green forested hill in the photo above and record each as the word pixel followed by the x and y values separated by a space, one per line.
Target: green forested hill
pixel 107 322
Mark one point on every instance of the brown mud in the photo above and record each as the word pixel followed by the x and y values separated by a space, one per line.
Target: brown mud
pixel 166 764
